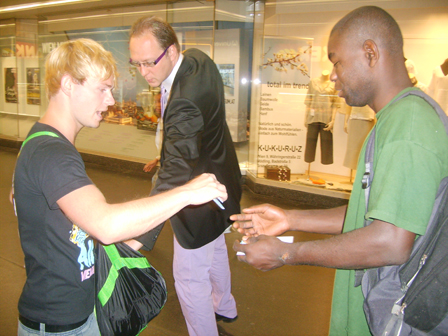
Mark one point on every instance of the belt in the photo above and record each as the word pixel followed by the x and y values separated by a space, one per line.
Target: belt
pixel 49 327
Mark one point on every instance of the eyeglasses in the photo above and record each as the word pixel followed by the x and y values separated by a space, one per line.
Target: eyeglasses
pixel 149 64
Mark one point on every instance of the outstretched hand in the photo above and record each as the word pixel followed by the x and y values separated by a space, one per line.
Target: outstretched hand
pixel 204 188
pixel 263 252
pixel 264 219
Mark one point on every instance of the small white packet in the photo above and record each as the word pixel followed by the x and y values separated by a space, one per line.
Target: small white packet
pixel 285 239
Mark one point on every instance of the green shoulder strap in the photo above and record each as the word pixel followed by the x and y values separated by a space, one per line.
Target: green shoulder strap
pixel 32 136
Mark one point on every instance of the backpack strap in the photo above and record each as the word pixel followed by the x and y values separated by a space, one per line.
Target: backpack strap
pixel 34 135
pixel 366 182
pixel 367 178
pixel 370 149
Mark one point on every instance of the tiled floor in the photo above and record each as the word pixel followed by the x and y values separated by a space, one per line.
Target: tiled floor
pixel 292 300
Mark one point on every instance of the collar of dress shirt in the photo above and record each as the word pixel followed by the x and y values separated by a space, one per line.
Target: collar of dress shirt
pixel 167 83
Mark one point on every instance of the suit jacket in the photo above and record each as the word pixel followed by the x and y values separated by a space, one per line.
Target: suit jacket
pixel 197 140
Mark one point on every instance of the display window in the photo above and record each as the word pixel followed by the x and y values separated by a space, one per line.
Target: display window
pixel 128 128
pixel 305 137
pixel 20 80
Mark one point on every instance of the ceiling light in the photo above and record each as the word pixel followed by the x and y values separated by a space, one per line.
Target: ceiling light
pixel 36 5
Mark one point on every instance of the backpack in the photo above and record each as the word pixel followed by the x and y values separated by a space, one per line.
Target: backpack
pixel 130 291
pixel 412 298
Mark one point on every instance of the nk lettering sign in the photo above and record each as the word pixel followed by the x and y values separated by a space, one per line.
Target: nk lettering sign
pixel 24 49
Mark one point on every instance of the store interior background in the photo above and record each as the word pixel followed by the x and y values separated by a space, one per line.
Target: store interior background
pixel 288 301
pixel 233 33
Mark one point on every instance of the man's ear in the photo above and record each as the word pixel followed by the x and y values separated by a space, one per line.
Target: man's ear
pixel 371 52
pixel 67 84
pixel 172 52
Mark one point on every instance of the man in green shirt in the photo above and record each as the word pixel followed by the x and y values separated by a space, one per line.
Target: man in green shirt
pixel 411 158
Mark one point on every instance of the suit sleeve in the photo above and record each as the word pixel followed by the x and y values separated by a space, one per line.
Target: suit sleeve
pixel 183 130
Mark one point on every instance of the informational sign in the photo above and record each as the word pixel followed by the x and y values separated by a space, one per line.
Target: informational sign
pixel 24 49
pixel 32 86
pixel 227 72
pixel 284 82
pixel 11 95
pixel 228 58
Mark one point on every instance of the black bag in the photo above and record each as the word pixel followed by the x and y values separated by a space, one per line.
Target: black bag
pixel 130 292
pixel 411 299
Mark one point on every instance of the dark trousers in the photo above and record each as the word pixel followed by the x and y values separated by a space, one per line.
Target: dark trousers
pixel 326 143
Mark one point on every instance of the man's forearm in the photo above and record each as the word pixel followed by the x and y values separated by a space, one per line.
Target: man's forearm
pixel 378 244
pixel 109 223
pixel 327 221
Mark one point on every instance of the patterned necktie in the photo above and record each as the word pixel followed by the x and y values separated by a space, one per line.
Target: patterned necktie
pixel 163 99
pixel 159 131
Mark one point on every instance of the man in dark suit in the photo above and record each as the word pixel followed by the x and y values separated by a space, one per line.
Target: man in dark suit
pixel 196 139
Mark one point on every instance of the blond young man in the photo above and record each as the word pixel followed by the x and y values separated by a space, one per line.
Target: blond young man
pixel 60 211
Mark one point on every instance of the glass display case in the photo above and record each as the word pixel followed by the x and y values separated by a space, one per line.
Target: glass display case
pixel 301 137
pixel 20 83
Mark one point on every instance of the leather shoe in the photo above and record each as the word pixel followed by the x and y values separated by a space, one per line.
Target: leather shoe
pixel 225 319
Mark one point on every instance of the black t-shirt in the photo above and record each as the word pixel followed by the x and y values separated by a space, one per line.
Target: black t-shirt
pixel 59 256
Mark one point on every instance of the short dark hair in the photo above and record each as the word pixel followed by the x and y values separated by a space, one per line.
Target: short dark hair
pixel 371 22
pixel 161 30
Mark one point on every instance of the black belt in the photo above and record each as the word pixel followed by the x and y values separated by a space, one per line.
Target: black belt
pixel 49 327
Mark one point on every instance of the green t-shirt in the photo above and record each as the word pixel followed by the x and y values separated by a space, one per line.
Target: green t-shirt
pixel 410 160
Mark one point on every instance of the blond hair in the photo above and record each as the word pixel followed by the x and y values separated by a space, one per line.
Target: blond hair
pixel 79 59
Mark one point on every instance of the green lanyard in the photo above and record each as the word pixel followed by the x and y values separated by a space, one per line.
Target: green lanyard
pixel 32 136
